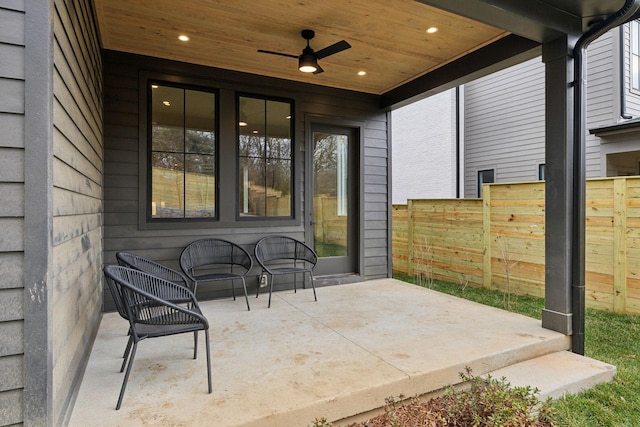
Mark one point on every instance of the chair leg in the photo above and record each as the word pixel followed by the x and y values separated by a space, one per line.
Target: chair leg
pixel 233 288
pixel 313 286
pixel 258 290
pixel 246 297
pixel 206 336
pixel 295 282
pixel 125 356
pixel 126 375
pixel 270 290
pixel 128 347
pixel 195 344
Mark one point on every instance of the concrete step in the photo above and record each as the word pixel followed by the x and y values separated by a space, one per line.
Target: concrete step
pixel 557 374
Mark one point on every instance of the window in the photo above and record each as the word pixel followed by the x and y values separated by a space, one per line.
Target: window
pixel 541 171
pixel 484 177
pixel 265 162
pixel 182 153
pixel 634 43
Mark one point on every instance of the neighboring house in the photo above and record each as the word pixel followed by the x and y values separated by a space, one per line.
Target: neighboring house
pixel 502 123
pixel 424 140
pixel 89 163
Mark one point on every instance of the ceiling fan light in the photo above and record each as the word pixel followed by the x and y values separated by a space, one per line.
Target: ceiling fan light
pixel 307 63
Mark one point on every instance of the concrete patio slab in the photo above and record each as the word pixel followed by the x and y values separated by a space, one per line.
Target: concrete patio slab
pixel 300 359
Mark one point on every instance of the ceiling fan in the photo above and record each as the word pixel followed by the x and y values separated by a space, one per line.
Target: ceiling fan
pixel 308 59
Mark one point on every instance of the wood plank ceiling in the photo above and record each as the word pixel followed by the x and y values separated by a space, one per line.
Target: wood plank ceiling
pixel 388 37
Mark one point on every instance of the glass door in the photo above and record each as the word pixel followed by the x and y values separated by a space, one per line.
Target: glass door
pixel 334 214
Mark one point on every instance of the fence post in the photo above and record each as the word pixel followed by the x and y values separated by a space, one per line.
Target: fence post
pixel 486 236
pixel 410 226
pixel 619 245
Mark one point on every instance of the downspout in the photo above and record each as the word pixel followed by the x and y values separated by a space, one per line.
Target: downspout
pixel 458 142
pixel 623 86
pixel 626 13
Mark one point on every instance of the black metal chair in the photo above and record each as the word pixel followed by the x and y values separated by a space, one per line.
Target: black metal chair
pixel 127 259
pixel 285 255
pixel 212 259
pixel 147 302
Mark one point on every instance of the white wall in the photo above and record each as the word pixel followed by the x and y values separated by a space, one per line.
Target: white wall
pixel 424 149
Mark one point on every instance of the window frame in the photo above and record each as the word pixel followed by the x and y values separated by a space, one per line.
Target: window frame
pixel 145 221
pixel 634 55
pixel 480 182
pixel 149 151
pixel 292 184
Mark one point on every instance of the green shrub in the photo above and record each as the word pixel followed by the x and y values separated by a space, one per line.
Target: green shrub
pixel 493 402
pixel 484 402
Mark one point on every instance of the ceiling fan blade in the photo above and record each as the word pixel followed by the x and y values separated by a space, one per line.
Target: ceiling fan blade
pixel 277 53
pixel 318 70
pixel 333 49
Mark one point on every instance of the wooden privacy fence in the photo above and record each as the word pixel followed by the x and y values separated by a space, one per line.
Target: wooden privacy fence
pixel 498 241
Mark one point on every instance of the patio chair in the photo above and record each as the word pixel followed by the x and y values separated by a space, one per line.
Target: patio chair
pixel 279 255
pixel 127 259
pixel 211 259
pixel 146 300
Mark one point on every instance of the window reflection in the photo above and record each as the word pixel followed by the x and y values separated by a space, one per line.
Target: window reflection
pixel 183 153
pixel 265 158
pixel 331 193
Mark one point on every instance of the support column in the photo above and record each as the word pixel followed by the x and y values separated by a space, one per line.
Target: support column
pixel 564 177
pixel 38 187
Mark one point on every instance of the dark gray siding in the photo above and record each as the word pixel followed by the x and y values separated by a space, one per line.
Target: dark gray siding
pixel 76 252
pixel 123 232
pixel 12 109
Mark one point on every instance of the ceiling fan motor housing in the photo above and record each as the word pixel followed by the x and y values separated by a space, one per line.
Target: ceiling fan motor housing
pixel 308 35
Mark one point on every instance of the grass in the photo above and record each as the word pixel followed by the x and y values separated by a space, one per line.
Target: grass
pixel 609 337
pixel 329 249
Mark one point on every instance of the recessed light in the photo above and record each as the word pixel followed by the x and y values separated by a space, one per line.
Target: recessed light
pixel 154 86
pixel 288 117
pixel 183 38
pixel 362 73
pixel 255 131
pixel 166 103
pixel 432 30
pixel 242 124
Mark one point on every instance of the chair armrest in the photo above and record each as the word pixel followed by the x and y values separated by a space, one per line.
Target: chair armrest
pixel 174 292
